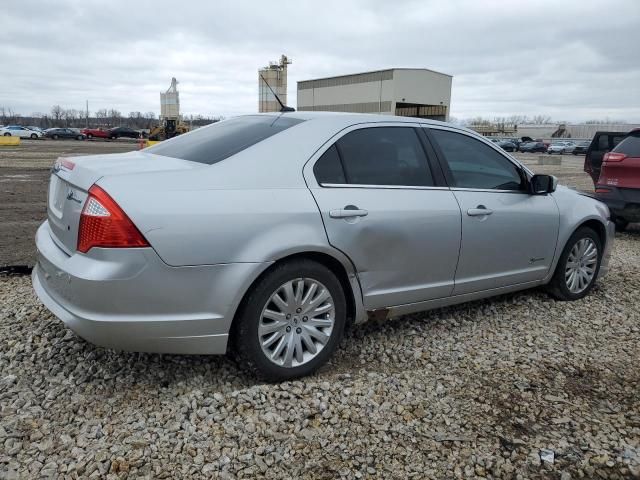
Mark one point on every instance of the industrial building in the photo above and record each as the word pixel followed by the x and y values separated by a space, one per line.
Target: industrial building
pixel 410 92
pixel 273 78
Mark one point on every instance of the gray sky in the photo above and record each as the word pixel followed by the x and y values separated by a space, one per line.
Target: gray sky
pixel 572 60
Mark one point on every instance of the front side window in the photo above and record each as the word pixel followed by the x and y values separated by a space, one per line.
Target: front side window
pixel 221 140
pixel 474 164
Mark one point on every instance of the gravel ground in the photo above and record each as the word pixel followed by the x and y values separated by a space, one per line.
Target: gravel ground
pixel 520 386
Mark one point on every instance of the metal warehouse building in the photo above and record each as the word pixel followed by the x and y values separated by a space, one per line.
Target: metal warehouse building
pixel 411 92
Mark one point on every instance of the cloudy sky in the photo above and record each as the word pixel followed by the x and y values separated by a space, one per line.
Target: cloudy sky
pixel 571 60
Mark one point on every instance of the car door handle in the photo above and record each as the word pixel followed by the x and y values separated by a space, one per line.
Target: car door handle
pixel 348 213
pixel 479 211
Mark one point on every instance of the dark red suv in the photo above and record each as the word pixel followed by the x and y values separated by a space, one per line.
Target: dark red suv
pixel 619 182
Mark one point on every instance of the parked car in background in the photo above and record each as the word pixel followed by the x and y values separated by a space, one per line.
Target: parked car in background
pixel 532 147
pixel 56 133
pixel 561 147
pixel 601 144
pixel 124 132
pixel 329 228
pixel 95 132
pixel 581 148
pixel 36 129
pixel 507 146
pixel 19 131
pixel 619 183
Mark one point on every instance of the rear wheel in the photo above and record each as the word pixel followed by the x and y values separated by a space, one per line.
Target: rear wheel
pixel 291 321
pixel 578 266
pixel 55 137
pixel 34 136
pixel 79 137
pixel 89 135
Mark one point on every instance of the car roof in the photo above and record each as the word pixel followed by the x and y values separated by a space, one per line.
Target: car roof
pixel 346 119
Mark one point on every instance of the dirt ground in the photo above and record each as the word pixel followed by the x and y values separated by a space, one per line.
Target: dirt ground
pixel 24 177
pixel 24 174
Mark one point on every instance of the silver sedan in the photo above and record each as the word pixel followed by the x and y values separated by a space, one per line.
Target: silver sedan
pixel 270 234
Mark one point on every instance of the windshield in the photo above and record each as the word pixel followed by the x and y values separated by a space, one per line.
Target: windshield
pixel 221 140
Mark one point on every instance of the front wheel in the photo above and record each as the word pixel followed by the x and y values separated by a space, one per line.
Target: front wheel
pixel 55 137
pixel 34 136
pixel 7 134
pixel 578 266
pixel 291 322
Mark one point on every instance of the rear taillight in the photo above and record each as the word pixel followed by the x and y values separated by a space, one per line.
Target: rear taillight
pixel 104 224
pixel 614 157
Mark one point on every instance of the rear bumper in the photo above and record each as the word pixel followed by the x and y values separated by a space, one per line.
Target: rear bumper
pixel 128 299
pixel 623 202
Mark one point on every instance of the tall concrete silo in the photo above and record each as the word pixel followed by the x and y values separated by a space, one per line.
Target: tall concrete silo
pixel 275 75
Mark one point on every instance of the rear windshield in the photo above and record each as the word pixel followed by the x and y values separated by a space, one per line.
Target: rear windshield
pixel 630 146
pixel 216 142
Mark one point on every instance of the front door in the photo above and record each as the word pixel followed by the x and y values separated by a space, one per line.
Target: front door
pixel 509 236
pixel 383 208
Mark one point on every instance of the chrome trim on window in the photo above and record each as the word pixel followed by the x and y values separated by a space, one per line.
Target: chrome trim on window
pixel 461 189
pixel 386 187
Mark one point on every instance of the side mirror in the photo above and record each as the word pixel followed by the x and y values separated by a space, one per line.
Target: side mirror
pixel 543 184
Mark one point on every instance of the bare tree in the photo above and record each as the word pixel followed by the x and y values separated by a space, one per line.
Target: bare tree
pixel 115 117
pixel 101 117
pixel 57 112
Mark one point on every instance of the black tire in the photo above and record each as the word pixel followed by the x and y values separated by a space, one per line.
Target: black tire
pixel 621 224
pixel 245 337
pixel 113 137
pixel 55 137
pixel 79 137
pixel 7 134
pixel 557 287
pixel 34 136
pixel 89 135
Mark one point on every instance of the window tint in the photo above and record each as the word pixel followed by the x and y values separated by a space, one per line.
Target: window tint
pixel 216 142
pixel 328 168
pixel 630 146
pixel 384 156
pixel 474 164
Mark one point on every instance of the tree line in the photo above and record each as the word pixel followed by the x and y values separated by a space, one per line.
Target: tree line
pixel 102 118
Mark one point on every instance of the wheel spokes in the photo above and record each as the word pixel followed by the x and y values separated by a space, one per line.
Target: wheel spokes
pixel 296 322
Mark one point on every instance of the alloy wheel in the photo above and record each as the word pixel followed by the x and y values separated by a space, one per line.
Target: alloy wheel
pixel 581 265
pixel 296 322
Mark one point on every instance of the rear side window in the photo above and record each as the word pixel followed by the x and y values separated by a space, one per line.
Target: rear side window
pixel 630 146
pixel 328 168
pixel 384 156
pixel 221 140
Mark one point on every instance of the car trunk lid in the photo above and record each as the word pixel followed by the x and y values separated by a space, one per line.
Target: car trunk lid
pixel 71 178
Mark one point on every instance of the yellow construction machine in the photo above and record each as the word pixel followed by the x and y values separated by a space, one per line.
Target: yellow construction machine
pixel 170 121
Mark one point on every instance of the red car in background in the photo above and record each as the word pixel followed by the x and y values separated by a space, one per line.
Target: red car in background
pixel 95 133
pixel 618 184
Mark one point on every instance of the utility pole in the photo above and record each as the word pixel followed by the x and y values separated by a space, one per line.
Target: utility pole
pixel 87 116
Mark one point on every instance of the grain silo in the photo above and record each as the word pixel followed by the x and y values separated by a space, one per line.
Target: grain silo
pixel 274 76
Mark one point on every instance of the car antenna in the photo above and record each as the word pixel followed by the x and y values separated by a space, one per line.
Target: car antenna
pixel 283 108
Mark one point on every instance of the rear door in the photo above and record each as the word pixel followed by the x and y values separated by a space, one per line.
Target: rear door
pixel 388 210
pixel 508 236
pixel 602 143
